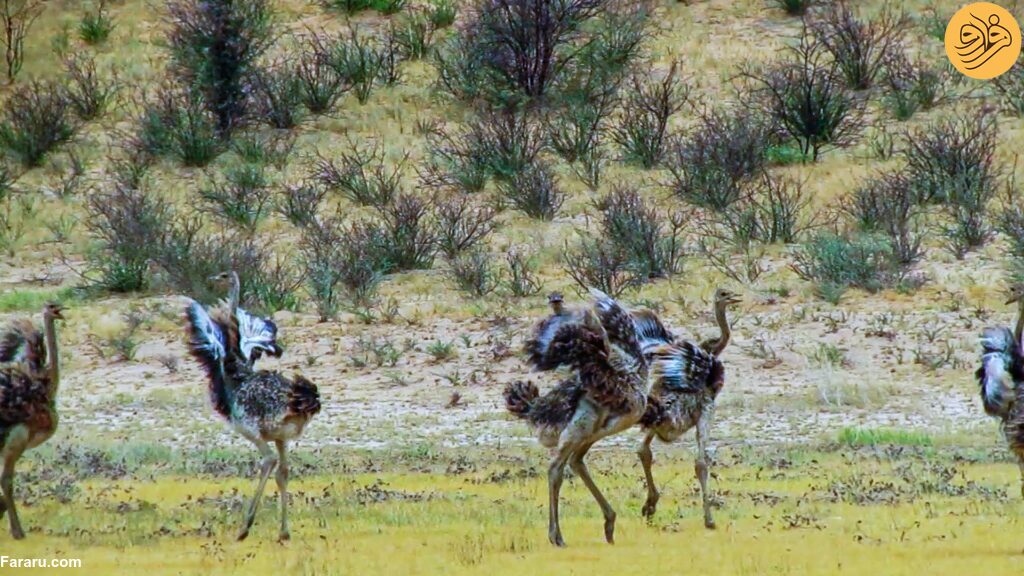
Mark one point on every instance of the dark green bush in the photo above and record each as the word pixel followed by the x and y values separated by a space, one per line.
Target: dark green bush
pixel 36 118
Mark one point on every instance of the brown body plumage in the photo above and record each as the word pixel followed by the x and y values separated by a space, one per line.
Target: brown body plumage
pixel 28 394
pixel 606 393
pixel 262 406
pixel 686 379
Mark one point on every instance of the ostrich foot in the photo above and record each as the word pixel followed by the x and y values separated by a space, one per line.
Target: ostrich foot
pixel 284 536
pixel 609 530
pixel 243 534
pixel 556 539
pixel 650 507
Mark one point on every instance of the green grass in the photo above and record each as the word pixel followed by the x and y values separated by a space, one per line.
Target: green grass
pixel 856 437
pixel 32 300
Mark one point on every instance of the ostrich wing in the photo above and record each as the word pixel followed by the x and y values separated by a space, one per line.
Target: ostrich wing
pixel 651 332
pixel 22 343
pixel 256 334
pixel 1002 368
pixel 682 367
pixel 206 336
pixel 618 324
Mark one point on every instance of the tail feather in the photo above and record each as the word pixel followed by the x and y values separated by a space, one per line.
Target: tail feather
pixel 577 344
pixel 304 397
pixel 1001 369
pixel 519 398
pixel 555 408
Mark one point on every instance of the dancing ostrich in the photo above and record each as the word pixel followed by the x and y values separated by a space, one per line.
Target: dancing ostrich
pixel 605 395
pixel 686 380
pixel 28 398
pixel 1000 377
pixel 262 406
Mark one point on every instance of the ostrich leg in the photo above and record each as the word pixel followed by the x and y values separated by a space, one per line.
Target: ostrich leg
pixel 282 487
pixel 646 460
pixel 556 473
pixel 700 467
pixel 16 443
pixel 1020 462
pixel 267 465
pixel 580 468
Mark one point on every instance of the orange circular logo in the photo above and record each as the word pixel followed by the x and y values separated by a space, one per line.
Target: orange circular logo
pixel 983 40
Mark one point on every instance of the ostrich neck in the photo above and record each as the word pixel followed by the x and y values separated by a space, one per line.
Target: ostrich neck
pixel 235 291
pixel 723 324
pixel 1019 330
pixel 53 355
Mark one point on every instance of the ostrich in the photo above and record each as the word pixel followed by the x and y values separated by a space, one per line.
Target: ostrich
pixel 606 394
pixel 28 398
pixel 262 406
pixel 234 290
pixel 1000 377
pixel 686 380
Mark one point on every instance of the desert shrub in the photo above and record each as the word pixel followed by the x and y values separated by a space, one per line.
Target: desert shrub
pixel 795 7
pixel 952 162
pixel 128 225
pixel 264 147
pixel 837 262
pixel 319 249
pixel 239 197
pixel 534 190
pixel 472 271
pixel 188 257
pixel 410 234
pixel 780 209
pixel 36 118
pixel 456 163
pixel 319 82
pixel 413 33
pixel 361 174
pixel 578 121
pixel 16 19
pixel 300 203
pixel 887 204
pixel 509 51
pixel 642 126
pixel 521 280
pixel 354 6
pixel 951 154
pixel 1010 88
pixel 215 46
pixel 806 96
pixel 274 285
pixel 442 13
pixel 1010 221
pixel 651 240
pixel 96 24
pixel 859 47
pixel 710 166
pixel 461 225
pixel 913 86
pixel 599 263
pixel 277 94
pixel 510 141
pixel 89 94
pixel 359 62
pixel 176 122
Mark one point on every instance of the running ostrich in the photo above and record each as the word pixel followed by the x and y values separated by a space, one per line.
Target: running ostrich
pixel 687 378
pixel 262 406
pixel 28 398
pixel 1000 377
pixel 606 394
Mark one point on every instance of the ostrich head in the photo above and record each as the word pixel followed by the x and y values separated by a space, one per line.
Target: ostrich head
pixel 725 298
pixel 555 300
pixel 53 310
pixel 1015 294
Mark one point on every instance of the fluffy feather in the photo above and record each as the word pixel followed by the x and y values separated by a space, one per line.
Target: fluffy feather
pixel 685 367
pixel 208 344
pixel 22 343
pixel 552 409
pixel 1001 368
pixel 256 335
pixel 303 398
pixel 650 331
pixel 617 323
